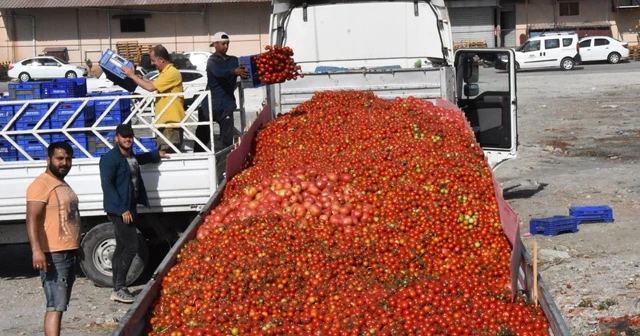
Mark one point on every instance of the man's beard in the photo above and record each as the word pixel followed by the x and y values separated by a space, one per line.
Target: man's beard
pixel 122 147
pixel 56 172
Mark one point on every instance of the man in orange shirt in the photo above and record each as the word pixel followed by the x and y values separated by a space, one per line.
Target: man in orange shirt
pixel 53 226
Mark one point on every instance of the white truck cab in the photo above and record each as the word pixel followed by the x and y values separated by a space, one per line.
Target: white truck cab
pixel 396 49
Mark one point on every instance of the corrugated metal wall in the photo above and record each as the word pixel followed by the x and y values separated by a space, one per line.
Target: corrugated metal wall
pixel 473 23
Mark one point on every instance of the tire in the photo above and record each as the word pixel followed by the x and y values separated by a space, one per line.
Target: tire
pixel 567 63
pixel 71 74
pixel 614 58
pixel 24 77
pixel 98 246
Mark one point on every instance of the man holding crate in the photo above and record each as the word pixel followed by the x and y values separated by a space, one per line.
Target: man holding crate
pixel 169 81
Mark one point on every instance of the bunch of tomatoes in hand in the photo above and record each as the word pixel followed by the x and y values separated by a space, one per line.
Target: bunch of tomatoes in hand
pixel 355 216
pixel 276 65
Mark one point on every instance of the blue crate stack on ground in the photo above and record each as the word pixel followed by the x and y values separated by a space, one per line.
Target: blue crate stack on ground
pixel 148 143
pixel 65 110
pixel 117 114
pixel 31 115
pixel 25 91
pixel 597 213
pixel 551 226
pixel 112 62
pixel 64 88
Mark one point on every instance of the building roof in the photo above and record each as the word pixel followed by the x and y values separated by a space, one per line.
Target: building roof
pixel 106 3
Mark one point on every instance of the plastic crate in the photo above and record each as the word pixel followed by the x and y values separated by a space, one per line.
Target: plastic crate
pixel 7 151
pixel 25 91
pixel 112 62
pixel 65 88
pixel 63 112
pixel 6 114
pixel 80 137
pixel 36 149
pixel 148 143
pixel 32 113
pixel 592 213
pixel 250 63
pixel 551 226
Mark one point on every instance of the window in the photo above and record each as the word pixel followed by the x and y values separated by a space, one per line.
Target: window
pixel 132 25
pixel 32 62
pixel 49 62
pixel 567 42
pixel 189 76
pixel 569 9
pixel 531 46
pixel 585 44
pixel 600 42
pixel 552 44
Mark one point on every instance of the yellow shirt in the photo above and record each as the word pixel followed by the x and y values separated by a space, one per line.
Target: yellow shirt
pixel 169 81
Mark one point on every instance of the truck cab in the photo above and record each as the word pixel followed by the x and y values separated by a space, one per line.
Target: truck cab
pixel 396 49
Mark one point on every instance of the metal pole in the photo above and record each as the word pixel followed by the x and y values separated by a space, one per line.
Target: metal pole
pixel 243 115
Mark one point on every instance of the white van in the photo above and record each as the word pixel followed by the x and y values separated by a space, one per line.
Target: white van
pixel 549 50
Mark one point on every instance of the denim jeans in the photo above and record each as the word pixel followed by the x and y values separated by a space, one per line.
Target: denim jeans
pixel 58 281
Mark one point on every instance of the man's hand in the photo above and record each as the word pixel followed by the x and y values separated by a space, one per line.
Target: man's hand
pixel 127 217
pixel 39 261
pixel 163 154
pixel 242 71
pixel 129 72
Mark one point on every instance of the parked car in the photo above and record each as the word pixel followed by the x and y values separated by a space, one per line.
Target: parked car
pixel 44 67
pixel 549 50
pixel 603 48
pixel 199 59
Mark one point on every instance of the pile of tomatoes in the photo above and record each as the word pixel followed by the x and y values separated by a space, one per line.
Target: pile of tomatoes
pixel 276 65
pixel 355 216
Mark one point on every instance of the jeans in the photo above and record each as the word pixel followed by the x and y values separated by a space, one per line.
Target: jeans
pixel 58 281
pixel 126 249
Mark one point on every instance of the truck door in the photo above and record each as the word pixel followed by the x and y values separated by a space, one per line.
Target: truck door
pixel 487 96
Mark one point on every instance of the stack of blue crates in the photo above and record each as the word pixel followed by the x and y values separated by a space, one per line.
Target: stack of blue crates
pixel 35 111
pixel 551 226
pixel 118 113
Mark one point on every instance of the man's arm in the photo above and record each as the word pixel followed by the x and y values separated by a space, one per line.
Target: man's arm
pixel 151 157
pixel 35 220
pixel 215 67
pixel 108 172
pixel 143 83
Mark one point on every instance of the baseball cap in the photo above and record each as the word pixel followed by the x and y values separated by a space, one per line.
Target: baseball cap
pixel 219 37
pixel 124 130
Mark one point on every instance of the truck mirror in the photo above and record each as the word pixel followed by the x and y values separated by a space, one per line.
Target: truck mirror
pixel 471 69
pixel 471 90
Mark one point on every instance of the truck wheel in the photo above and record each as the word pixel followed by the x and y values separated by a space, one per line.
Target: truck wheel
pixel 98 246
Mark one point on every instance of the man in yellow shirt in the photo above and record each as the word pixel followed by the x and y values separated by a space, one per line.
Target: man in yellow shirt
pixel 169 81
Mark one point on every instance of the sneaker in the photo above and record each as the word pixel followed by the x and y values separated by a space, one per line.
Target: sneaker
pixel 123 295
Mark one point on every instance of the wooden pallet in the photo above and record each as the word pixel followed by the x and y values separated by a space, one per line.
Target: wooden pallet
pixel 470 44
pixel 634 52
pixel 129 50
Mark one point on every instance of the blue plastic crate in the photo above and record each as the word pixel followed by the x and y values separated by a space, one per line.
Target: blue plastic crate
pixel 64 111
pixel 551 226
pixel 592 213
pixel 253 80
pixel 32 113
pixel 148 143
pixel 112 62
pixel 99 151
pixel 36 149
pixel 80 137
pixel 7 151
pixel 25 91
pixel 6 114
pixel 65 88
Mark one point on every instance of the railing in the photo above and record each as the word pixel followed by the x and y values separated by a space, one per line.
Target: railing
pixel 141 118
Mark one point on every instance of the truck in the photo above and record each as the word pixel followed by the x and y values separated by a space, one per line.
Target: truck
pixel 178 187
pixel 394 49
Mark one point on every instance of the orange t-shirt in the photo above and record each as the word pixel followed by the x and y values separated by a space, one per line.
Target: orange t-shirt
pixel 61 229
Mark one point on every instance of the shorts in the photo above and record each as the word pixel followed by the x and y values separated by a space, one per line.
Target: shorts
pixel 59 278
pixel 174 135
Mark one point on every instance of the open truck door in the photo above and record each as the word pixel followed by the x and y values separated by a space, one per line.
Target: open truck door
pixel 486 93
